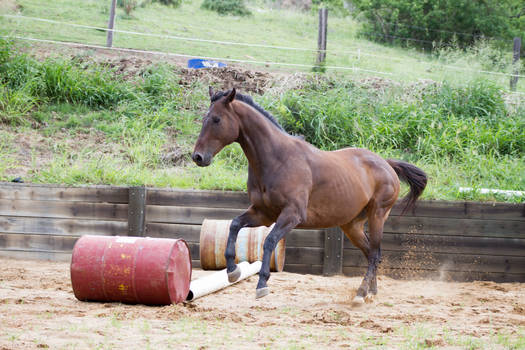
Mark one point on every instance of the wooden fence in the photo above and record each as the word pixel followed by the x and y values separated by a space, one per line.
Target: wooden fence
pixel 451 240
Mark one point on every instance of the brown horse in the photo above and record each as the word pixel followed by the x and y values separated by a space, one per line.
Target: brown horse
pixel 294 184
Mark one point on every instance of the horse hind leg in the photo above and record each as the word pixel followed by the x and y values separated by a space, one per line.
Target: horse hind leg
pixel 354 230
pixel 376 220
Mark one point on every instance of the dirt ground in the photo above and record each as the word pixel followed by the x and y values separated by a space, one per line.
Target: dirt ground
pixel 38 310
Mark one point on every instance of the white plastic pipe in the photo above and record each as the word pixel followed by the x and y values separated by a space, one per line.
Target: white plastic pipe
pixel 219 280
pixel 507 193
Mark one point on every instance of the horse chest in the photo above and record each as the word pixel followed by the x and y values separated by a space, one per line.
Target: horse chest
pixel 265 202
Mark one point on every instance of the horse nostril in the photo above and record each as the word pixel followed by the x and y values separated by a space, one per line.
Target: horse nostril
pixel 197 158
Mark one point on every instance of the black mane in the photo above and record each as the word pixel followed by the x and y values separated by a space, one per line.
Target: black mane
pixel 248 100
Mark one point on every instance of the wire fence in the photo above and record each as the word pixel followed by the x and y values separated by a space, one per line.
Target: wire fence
pixel 74 44
pixel 353 55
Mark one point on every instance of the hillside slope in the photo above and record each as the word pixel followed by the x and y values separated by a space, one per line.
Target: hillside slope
pixel 269 35
pixel 78 115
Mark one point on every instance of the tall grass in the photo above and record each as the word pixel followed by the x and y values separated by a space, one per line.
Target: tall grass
pixel 27 84
pixel 62 81
pixel 440 120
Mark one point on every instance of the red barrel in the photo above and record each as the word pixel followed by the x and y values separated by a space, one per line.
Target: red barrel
pixel 151 271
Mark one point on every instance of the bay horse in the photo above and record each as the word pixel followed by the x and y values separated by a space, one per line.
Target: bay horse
pixel 293 184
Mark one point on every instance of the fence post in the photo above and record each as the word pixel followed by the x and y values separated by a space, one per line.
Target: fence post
pixel 515 64
pixel 333 251
pixel 136 211
pixel 321 38
pixel 111 23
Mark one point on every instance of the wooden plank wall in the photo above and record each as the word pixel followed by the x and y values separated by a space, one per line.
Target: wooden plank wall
pixel 44 222
pixel 450 240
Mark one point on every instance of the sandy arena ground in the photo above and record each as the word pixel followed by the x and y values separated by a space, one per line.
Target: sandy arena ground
pixel 38 310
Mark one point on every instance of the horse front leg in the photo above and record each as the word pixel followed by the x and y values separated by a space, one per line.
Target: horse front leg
pixel 287 220
pixel 250 218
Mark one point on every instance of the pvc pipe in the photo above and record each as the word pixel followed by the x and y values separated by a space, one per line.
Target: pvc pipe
pixel 219 280
pixel 490 190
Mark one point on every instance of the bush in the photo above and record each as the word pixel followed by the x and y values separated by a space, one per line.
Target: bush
pixel 438 20
pixel 130 5
pixel 226 7
pixel 445 121
pixel 174 3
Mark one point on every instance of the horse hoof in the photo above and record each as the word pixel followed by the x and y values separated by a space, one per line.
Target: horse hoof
pixel 234 275
pixel 262 292
pixel 358 301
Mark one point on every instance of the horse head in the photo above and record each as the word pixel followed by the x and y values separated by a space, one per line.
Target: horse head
pixel 220 127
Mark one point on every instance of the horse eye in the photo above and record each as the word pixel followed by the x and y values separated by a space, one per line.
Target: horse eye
pixel 216 119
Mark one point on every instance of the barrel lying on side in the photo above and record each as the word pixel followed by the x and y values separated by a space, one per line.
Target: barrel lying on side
pixel 249 246
pixel 151 271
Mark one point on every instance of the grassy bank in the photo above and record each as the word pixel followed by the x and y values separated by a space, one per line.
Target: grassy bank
pixel 94 126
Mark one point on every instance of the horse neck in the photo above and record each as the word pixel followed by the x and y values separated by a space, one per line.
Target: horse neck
pixel 262 142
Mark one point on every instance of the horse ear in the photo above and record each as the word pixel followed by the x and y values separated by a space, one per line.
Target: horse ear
pixel 211 92
pixel 231 96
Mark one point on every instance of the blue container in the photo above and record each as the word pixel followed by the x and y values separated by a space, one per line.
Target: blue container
pixel 198 63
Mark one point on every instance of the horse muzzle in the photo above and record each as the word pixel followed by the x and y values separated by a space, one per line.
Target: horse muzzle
pixel 201 159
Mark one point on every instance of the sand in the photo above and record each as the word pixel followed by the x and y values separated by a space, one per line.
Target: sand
pixel 38 310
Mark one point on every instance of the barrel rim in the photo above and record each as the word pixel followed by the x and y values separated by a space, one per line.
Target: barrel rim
pixel 169 277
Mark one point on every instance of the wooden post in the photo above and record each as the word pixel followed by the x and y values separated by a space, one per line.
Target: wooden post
pixel 515 64
pixel 136 211
pixel 333 252
pixel 321 39
pixel 111 23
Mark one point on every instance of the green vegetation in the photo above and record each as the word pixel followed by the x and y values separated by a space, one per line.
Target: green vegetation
pixel 346 47
pixel 98 126
pixel 226 7
pixel 135 117
pixel 462 136
pixel 436 21
pixel 432 121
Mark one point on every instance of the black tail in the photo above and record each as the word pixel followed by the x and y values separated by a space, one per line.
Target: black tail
pixel 414 177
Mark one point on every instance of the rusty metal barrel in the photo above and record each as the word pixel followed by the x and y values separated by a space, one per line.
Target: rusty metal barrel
pixel 151 271
pixel 249 245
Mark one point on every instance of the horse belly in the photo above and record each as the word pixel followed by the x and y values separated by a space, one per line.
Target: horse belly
pixel 335 210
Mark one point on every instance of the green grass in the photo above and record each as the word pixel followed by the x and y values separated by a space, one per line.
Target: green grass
pixel 281 28
pixel 7 160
